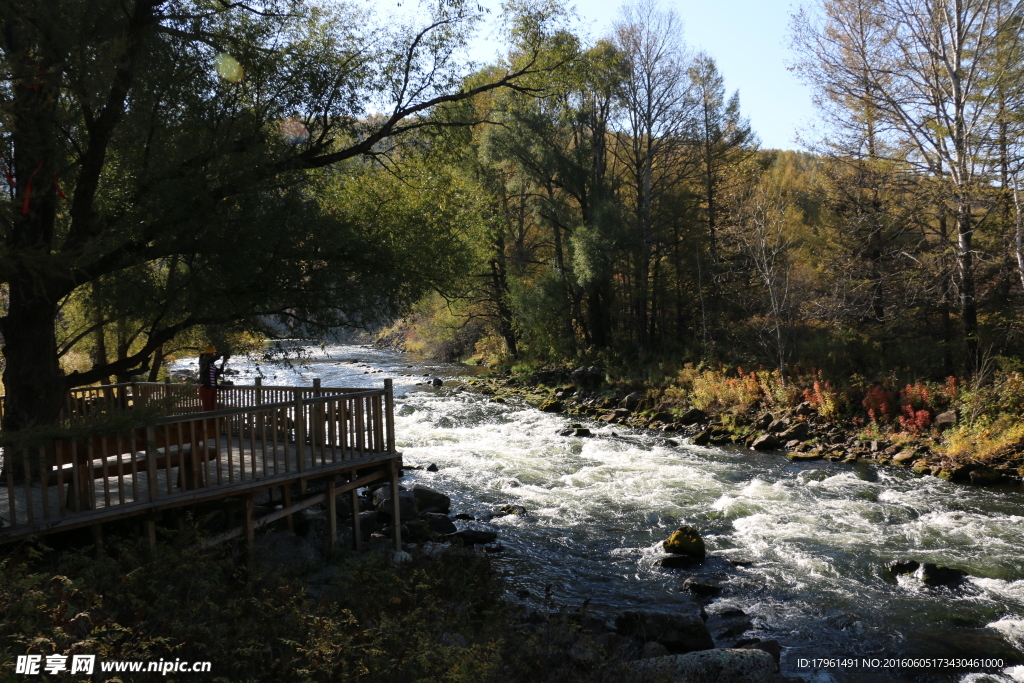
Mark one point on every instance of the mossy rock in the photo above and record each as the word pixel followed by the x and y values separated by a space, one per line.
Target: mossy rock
pixel 686 540
pixel 552 406
pixel 804 457
pixel 921 467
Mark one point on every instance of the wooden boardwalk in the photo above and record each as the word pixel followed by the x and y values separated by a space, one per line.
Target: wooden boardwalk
pixel 344 437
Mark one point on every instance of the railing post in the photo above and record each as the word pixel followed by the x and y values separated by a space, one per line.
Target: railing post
pixel 151 469
pixel 259 391
pixel 300 431
pixel 389 414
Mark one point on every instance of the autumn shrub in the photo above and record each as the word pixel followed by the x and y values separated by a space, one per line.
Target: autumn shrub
pixel 880 404
pixel 720 389
pixel 824 398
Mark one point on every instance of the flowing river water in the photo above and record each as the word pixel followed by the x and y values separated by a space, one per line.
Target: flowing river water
pixel 806 542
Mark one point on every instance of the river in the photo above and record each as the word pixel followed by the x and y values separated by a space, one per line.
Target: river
pixel 809 539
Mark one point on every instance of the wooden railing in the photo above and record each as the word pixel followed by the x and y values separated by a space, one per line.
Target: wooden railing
pixel 258 434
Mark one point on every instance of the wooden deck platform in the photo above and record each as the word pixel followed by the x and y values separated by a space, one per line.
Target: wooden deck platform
pixel 344 437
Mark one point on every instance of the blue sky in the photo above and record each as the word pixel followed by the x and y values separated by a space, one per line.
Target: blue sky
pixel 748 39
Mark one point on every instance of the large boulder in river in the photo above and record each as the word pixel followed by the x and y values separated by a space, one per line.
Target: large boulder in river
pixel 931 574
pixel 902 565
pixel 439 523
pixel 686 540
pixel 678 631
pixel 406 503
pixel 429 500
pixel 711 666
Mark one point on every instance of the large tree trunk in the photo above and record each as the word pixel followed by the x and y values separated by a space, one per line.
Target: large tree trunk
pixel 34 384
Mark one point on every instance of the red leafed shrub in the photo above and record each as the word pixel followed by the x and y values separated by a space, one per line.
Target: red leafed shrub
pixel 880 404
pixel 950 389
pixel 915 421
pixel 916 408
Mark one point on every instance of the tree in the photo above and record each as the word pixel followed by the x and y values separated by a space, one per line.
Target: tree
pixel 657 105
pixel 928 75
pixel 722 139
pixel 172 152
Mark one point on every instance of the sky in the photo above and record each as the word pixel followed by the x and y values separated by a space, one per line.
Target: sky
pixel 749 41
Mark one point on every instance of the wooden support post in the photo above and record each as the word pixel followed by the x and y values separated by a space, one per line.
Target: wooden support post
pixel 151 531
pixel 250 530
pixel 286 492
pixel 332 516
pixel 396 517
pixel 389 414
pixel 97 535
pixel 357 535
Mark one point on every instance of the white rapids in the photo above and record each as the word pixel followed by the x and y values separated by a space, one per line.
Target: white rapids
pixel 809 540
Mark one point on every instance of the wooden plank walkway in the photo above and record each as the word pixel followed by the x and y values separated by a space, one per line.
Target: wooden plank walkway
pixel 332 434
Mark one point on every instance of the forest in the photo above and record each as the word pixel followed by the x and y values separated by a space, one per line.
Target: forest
pixel 206 171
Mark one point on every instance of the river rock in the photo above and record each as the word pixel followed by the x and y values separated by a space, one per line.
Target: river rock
pixel 474 536
pixel 432 467
pixel 762 422
pixel 804 409
pixel 678 562
pixel 686 540
pixel 406 503
pixel 505 510
pixel 765 442
pixel 692 416
pixel 437 382
pixel 711 666
pixel 702 439
pixel 931 574
pixel 902 565
pixel 679 631
pixel 429 500
pixel 808 456
pixel 944 421
pixel 778 426
pixel 729 624
pixel 962 473
pixel 581 431
pixel 703 587
pixel 905 458
pixel 987 477
pixel 439 523
pixel 772 647
pixel 653 649
pixel 553 406
pixel 797 432
pixel 632 401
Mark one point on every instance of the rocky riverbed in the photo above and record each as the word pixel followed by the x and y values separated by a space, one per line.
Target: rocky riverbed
pixel 798 431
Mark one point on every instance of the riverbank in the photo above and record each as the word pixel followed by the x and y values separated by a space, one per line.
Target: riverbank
pixel 773 419
pixel 286 612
